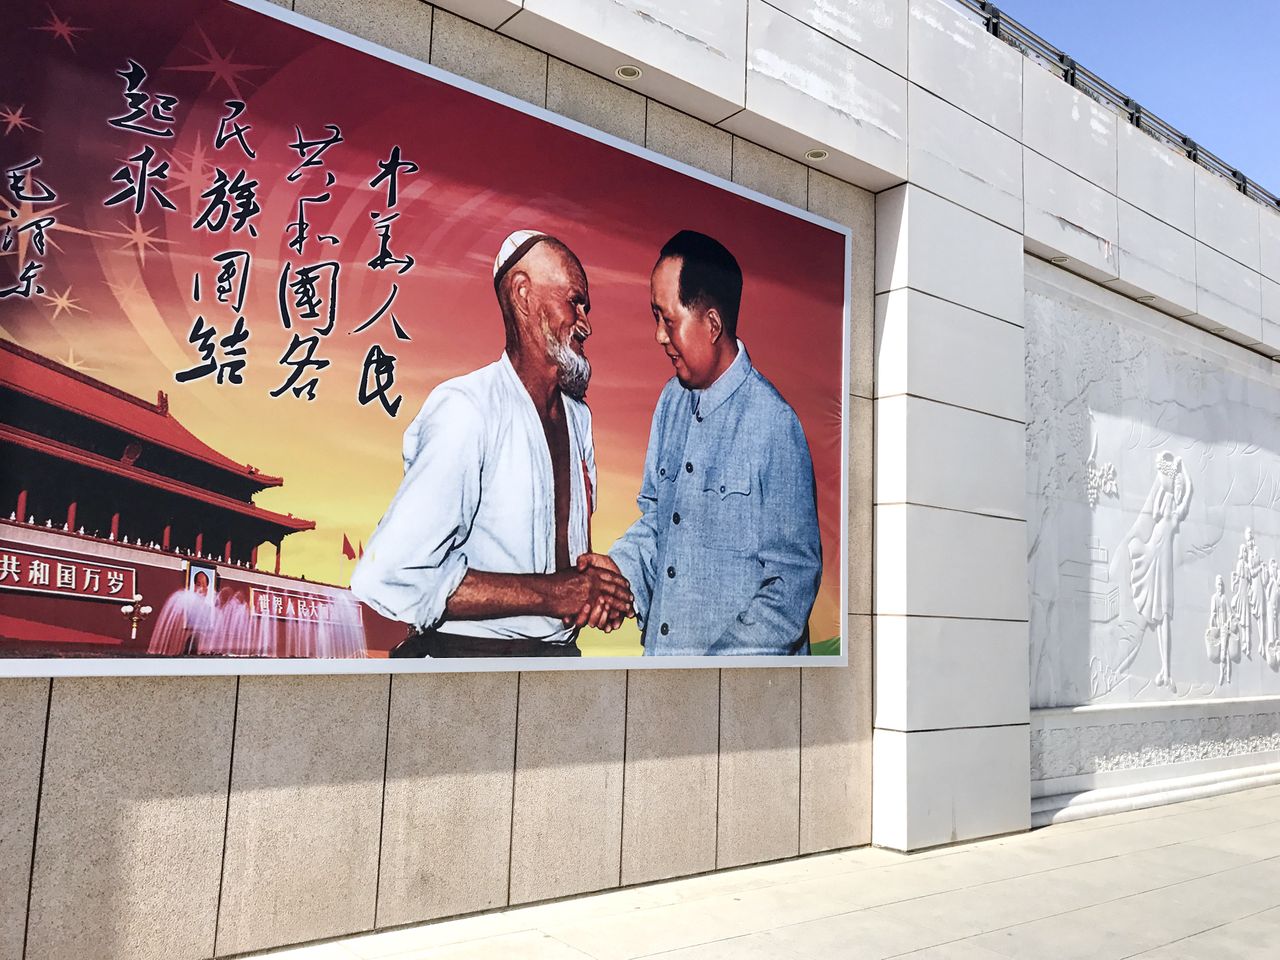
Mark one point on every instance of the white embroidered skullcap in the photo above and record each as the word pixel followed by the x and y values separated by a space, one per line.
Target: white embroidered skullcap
pixel 513 249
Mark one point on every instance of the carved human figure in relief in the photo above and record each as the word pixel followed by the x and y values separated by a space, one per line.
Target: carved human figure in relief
pixel 1218 634
pixel 1256 573
pixel 1272 598
pixel 1241 607
pixel 1150 547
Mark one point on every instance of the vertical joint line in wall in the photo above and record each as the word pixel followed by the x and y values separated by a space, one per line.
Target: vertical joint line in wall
pixel 382 815
pixel 226 816
pixel 431 37
pixel 35 826
pixel 515 760
pixel 719 712
pixel 626 714
pixel 800 756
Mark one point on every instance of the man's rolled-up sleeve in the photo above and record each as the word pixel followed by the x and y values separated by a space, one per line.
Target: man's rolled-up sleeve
pixel 790 552
pixel 414 562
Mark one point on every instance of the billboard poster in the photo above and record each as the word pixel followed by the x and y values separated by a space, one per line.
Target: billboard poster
pixel 316 358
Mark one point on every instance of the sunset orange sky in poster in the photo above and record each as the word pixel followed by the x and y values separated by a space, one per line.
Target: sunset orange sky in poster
pixel 118 286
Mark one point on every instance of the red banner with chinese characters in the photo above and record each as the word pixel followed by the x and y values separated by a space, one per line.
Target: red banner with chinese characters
pixel 66 576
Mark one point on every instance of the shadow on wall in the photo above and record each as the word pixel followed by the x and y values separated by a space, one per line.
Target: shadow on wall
pixel 179 816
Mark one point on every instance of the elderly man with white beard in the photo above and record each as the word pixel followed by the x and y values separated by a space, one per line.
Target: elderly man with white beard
pixel 477 550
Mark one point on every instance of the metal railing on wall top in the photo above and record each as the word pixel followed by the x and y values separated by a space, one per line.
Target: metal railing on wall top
pixel 999 24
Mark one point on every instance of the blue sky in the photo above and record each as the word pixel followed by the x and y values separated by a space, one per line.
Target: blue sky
pixel 1211 69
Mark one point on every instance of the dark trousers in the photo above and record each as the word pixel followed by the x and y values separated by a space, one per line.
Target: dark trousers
pixel 433 643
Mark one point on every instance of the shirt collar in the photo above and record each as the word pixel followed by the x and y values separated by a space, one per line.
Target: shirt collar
pixel 706 401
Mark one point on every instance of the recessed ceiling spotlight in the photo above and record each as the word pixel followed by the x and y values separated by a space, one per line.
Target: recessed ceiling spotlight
pixel 1059 259
pixel 628 71
pixel 1147 299
pixel 816 154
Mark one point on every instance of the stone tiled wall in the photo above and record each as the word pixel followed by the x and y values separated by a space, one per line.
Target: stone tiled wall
pixel 187 818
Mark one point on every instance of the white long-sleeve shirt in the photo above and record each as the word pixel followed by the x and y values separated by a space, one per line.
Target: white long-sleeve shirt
pixel 478 493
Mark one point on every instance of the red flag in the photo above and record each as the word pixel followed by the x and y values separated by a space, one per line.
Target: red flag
pixel 347 550
pixel 362 548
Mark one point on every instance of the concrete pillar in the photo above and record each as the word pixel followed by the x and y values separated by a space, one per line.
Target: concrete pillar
pixel 71 516
pixel 115 526
pixel 21 511
pixel 952 710
pixel 278 545
pixel 199 544
pixel 168 534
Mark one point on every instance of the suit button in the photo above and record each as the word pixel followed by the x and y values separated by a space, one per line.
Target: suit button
pixel 722 488
pixel 662 471
pixel 688 468
pixel 698 417
pixel 664 629
pixel 675 518
pixel 671 573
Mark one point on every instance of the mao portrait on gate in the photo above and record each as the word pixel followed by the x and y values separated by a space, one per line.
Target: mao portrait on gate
pixel 437 376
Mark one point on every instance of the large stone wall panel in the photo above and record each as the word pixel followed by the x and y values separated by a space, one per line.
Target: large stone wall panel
pixel 926 792
pixel 566 826
pixel 669 796
pixel 945 563
pixel 1156 261
pixel 304 818
pixel 471 51
pixel 1156 179
pixel 1271 315
pixel 770 173
pixel 24 704
pixel 935 673
pixel 1067 216
pixel 688 139
pixel 953 56
pixel 861 481
pixel 1228 296
pixel 1227 220
pixel 400 25
pixel 805 90
pixel 963 159
pixel 487 13
pixel 759 810
pixel 856 209
pixel 932 245
pixel 934 349
pixel 132 810
pixel 877 29
pixel 835 748
pixel 592 100
pixel 691 55
pixel 1269 228
pixel 446 834
pixel 1068 127
pixel 946 456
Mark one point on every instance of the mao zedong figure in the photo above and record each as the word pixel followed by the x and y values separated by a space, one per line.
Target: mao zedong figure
pixel 477 550
pixel 726 557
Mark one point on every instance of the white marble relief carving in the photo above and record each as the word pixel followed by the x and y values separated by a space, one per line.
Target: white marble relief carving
pixel 1073 750
pixel 1099 480
pixel 1153 469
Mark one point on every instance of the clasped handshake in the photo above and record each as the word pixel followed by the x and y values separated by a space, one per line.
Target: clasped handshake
pixel 595 594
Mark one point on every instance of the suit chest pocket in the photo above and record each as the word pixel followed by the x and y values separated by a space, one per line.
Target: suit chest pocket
pixel 730 505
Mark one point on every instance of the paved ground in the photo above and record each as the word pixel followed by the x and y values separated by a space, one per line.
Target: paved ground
pixel 1193 880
